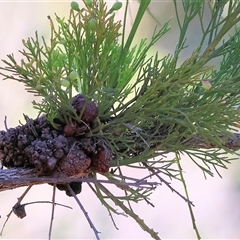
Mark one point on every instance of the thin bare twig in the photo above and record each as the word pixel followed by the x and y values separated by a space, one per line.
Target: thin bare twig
pixel 104 203
pixel 113 221
pixel 129 189
pixel 53 210
pixel 84 212
pixel 120 172
pixel 156 173
pixel 5 123
pixel 141 181
pixel 62 205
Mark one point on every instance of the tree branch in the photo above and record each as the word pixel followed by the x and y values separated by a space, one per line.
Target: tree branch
pixel 232 143
pixel 12 178
pixel 20 177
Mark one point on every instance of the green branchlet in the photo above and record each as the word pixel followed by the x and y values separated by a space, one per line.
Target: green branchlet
pixel 80 58
pixel 88 54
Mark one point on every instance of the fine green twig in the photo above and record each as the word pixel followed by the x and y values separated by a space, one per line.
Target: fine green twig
pixel 128 211
pixel 187 196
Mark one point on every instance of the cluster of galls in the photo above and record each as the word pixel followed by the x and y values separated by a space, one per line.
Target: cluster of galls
pixel 57 153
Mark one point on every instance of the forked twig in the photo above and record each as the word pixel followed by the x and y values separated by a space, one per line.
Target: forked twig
pixel 113 221
pixel 19 210
pixel 18 202
pixel 156 173
pixel 104 203
pixel 84 212
pixel 140 221
pixel 120 172
pixel 108 207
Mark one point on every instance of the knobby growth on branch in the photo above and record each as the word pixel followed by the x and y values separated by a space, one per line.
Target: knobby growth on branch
pixel 107 104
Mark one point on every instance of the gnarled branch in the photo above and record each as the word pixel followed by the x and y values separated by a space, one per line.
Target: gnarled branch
pixel 12 178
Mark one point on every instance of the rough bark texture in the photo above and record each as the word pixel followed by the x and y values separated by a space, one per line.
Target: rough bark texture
pixel 11 178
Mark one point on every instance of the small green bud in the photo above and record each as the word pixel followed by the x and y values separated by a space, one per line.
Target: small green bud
pixel 206 84
pixel 116 6
pixel 92 23
pixel 75 6
pixel 65 83
pixel 73 75
pixel 38 86
pixel 88 3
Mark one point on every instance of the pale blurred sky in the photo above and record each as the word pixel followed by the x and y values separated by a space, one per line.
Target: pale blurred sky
pixel 216 200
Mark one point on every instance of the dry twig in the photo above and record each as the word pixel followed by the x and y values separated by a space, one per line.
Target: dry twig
pixel 84 212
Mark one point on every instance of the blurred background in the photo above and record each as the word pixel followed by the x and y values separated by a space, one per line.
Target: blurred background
pixel 216 200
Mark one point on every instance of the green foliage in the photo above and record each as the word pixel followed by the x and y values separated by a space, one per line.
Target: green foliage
pixel 146 104
pixel 84 45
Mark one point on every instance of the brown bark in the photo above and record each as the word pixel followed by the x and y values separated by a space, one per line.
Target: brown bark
pixel 12 178
pixel 232 143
